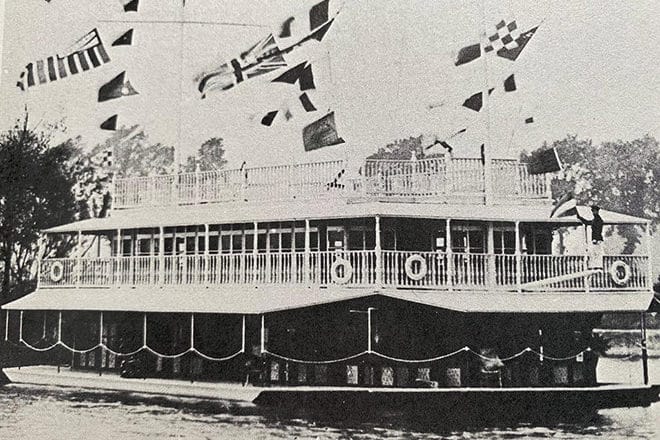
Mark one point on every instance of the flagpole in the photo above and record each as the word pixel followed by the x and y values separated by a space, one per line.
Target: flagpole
pixel 488 181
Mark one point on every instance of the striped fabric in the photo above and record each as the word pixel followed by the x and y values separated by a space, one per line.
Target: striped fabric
pixel 87 53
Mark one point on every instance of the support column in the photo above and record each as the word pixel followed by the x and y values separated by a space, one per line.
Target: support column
pixel 20 328
pixel 101 328
pixel 243 336
pixel 7 325
pixel 450 256
pixel 307 267
pixel 645 355
pixel 649 253
pixel 379 255
pixel 207 259
pixel 263 334
pixel 144 330
pixel 491 267
pixel 294 260
pixel 161 255
pixel 118 258
pixel 255 269
pixel 518 257
pixel 369 310
pixel 59 326
pixel 78 262
pixel 192 331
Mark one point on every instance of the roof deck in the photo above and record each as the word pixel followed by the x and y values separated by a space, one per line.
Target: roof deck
pixel 441 179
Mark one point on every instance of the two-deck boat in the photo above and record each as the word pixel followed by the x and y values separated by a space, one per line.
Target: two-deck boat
pixel 427 284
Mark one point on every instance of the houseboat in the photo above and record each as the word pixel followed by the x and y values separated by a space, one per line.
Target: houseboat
pixel 426 285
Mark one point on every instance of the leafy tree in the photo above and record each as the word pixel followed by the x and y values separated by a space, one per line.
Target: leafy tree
pixel 401 149
pixel 36 183
pixel 210 156
pixel 619 176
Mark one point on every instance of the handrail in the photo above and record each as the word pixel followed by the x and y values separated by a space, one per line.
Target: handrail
pixel 351 268
pixel 434 178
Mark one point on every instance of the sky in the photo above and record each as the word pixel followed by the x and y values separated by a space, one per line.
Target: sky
pixel 385 68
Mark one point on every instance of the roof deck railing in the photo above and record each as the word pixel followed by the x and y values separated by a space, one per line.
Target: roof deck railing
pixel 440 179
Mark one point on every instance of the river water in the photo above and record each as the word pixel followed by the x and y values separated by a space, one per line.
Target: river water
pixel 31 412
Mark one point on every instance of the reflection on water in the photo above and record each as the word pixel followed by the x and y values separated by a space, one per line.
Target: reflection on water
pixel 29 412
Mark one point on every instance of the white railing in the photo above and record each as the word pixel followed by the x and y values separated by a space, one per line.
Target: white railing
pixel 435 178
pixel 255 184
pixel 398 269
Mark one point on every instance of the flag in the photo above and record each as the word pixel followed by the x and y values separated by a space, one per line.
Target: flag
pixel 545 161
pixel 510 84
pixel 110 123
pixel 88 52
pixel 268 119
pixel 565 206
pixel 301 74
pixel 307 24
pixel 263 57
pixel 116 88
pixel 507 42
pixel 476 101
pixel 126 39
pixel 321 133
pixel 529 120
pixel 306 103
pixel 131 5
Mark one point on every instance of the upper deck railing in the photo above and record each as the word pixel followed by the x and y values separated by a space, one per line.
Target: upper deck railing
pixel 440 179
pixel 352 269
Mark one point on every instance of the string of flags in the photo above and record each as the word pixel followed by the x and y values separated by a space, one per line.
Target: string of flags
pixel 507 42
pixel 88 53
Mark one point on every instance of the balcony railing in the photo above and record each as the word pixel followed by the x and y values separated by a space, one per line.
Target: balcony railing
pixel 437 178
pixel 394 269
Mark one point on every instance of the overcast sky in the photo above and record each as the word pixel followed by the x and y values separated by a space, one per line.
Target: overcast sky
pixel 591 69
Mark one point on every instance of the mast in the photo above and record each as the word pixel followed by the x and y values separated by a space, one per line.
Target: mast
pixel 488 182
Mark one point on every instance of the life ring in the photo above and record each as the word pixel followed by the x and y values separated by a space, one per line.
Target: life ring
pixel 56 272
pixel 423 268
pixel 614 272
pixel 348 271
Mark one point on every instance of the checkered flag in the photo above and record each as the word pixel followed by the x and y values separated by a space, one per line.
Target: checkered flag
pixel 505 37
pixel 103 159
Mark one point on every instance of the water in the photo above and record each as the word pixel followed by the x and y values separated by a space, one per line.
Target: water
pixel 31 412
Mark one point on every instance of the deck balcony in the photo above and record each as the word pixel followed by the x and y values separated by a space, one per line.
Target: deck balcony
pixel 351 269
pixel 440 179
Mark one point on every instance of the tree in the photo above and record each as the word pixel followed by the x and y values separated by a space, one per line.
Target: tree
pixel 400 149
pixel 210 157
pixel 619 176
pixel 36 183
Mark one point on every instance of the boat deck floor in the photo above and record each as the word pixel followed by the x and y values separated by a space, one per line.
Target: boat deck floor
pixel 239 395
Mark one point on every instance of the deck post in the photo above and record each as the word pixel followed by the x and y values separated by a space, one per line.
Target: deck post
pixel 255 269
pixel 20 328
pixel 649 252
pixel 207 241
pixel 59 326
pixel 491 278
pixel 448 252
pixel 645 355
pixel 306 268
pixel 263 334
pixel 78 262
pixel 117 258
pixel 161 255
pixel 369 310
pixel 192 331
pixel 7 324
pixel 518 257
pixel 379 255
pixel 144 330
pixel 293 267
pixel 101 353
pixel 243 335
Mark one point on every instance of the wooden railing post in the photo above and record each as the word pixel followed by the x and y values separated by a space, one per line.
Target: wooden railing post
pixel 379 255
pixel 255 270
pixel 207 261
pixel 450 256
pixel 306 263
pixel 78 260
pixel 161 255
pixel 518 257
pixel 118 258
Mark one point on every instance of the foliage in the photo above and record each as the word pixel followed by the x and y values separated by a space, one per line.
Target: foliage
pixel 400 149
pixel 620 176
pixel 36 183
pixel 210 157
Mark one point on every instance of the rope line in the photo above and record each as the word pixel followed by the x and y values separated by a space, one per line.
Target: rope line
pixel 302 361
pixel 132 353
pixel 420 361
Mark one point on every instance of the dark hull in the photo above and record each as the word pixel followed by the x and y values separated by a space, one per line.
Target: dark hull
pixel 465 406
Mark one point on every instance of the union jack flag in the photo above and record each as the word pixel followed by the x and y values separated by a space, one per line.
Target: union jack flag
pixel 262 58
